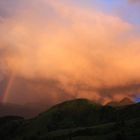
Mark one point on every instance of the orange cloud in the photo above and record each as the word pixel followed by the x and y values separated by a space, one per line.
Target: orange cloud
pixel 75 46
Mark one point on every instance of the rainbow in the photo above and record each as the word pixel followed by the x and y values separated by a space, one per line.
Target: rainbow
pixel 8 87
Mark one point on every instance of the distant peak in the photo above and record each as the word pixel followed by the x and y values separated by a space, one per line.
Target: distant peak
pixel 125 101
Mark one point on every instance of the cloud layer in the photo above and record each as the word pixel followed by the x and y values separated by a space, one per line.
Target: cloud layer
pixel 91 54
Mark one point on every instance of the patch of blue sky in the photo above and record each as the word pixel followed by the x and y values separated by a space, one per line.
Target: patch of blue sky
pixel 121 8
pixel 137 99
pixel 129 12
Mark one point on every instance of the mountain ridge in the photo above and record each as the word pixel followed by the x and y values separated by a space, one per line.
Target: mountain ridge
pixel 123 102
pixel 80 119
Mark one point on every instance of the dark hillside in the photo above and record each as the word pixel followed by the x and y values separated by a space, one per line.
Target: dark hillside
pixel 76 119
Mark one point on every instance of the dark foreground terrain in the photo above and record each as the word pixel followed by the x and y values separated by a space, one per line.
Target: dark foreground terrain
pixel 78 119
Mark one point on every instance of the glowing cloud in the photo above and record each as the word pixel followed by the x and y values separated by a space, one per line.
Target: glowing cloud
pixel 91 54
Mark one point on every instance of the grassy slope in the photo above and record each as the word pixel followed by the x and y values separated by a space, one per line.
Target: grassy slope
pixel 82 119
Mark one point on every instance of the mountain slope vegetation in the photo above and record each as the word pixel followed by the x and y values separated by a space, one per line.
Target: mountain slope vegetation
pixel 76 119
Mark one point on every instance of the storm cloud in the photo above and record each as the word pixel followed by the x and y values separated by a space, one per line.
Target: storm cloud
pixel 90 54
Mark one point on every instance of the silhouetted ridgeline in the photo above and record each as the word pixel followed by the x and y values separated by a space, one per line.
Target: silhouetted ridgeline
pixel 76 120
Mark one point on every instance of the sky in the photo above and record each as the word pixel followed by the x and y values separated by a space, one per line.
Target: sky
pixel 128 10
pixel 55 50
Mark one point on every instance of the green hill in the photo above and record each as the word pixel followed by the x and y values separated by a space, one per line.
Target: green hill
pixel 76 119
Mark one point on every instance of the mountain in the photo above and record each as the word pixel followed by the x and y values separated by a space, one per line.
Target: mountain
pixel 126 101
pixel 69 114
pixel 123 102
pixel 78 119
